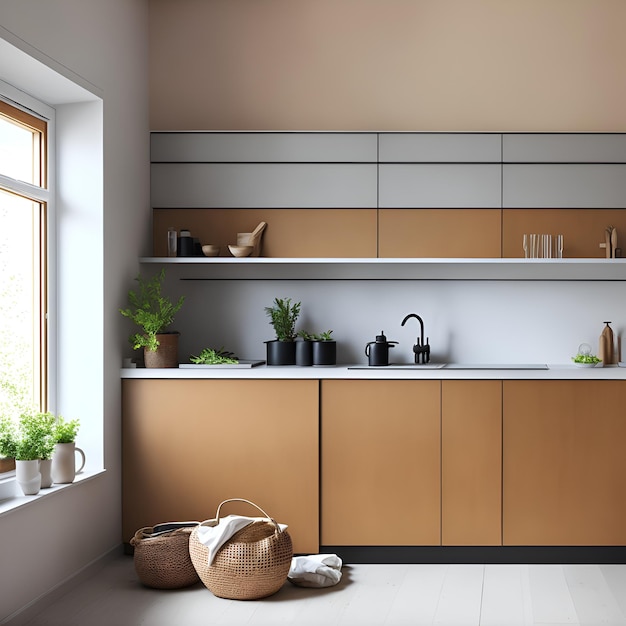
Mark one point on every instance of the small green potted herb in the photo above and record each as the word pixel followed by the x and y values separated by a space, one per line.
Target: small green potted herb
pixel 304 348
pixel 153 312
pixel 283 316
pixel 64 456
pixel 30 442
pixel 324 349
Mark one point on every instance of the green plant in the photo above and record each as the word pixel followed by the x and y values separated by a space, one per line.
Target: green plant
pixel 283 317
pixel 209 356
pixel 305 335
pixel 33 437
pixel 589 359
pixel 65 431
pixel 325 336
pixel 150 310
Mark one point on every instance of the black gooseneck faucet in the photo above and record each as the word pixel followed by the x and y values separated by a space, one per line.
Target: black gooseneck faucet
pixel 421 350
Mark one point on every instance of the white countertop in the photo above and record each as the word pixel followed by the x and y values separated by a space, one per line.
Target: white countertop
pixel 554 372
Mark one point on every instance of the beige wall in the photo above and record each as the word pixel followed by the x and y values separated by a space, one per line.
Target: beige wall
pixel 388 64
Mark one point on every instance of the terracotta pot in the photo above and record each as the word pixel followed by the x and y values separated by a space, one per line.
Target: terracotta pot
pixel 166 355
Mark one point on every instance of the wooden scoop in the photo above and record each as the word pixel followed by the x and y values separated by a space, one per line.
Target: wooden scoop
pixel 255 238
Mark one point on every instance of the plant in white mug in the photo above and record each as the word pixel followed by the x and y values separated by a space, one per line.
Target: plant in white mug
pixel 64 456
pixel 30 442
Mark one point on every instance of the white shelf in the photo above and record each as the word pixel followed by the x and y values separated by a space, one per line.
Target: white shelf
pixel 231 268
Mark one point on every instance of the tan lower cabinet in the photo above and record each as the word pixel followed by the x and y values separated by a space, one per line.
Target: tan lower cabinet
pixel 471 462
pixel 564 463
pixel 380 462
pixel 189 444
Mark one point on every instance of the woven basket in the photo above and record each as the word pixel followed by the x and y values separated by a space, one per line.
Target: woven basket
pixel 252 564
pixel 162 556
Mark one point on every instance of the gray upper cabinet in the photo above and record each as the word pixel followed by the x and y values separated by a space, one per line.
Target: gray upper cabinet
pixel 569 186
pixel 564 148
pixel 263 185
pixel 440 148
pixel 229 147
pixel 467 185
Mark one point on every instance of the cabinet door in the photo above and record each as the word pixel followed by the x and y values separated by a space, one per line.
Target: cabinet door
pixel 564 463
pixel 261 147
pixel 263 185
pixel 564 148
pixel 440 185
pixel 380 462
pixel 189 444
pixel 569 186
pixel 471 463
pixel 440 148
pixel 434 233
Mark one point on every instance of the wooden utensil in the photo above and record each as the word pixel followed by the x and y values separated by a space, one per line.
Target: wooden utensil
pixel 255 238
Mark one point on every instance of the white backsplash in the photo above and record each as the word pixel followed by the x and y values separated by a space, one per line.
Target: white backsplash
pixel 466 321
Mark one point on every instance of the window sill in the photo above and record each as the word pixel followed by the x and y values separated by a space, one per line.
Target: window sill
pixel 14 499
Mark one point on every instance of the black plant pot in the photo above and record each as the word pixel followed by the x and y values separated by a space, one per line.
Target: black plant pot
pixel 324 352
pixel 281 352
pixel 304 353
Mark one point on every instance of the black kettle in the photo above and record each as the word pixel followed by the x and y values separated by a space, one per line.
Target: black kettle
pixel 378 351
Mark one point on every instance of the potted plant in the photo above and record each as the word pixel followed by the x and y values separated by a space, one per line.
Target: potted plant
pixel 304 348
pixel 324 349
pixel 153 313
pixel 64 456
pixel 283 316
pixel 28 442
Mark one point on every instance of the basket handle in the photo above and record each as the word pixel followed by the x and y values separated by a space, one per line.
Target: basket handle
pixel 271 519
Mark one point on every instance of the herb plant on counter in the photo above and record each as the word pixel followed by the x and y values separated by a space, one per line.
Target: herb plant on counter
pixel 209 356
pixel 283 317
pixel 151 311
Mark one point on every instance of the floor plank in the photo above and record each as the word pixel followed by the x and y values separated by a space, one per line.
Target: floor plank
pixel 377 595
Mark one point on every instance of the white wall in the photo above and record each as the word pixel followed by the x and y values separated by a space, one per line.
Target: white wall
pixel 104 47
pixel 466 321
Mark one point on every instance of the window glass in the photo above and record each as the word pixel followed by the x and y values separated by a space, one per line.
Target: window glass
pixel 23 345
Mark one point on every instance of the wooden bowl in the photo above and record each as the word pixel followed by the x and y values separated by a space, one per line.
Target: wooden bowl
pixel 209 250
pixel 241 251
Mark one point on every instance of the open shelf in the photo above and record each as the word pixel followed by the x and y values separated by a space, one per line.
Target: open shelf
pixel 249 268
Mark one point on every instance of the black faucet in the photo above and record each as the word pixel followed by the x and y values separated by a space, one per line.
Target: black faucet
pixel 420 349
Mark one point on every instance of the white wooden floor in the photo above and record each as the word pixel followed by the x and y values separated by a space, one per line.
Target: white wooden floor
pixel 491 595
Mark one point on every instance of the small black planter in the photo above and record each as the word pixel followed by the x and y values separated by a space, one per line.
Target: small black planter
pixel 324 352
pixel 304 353
pixel 281 352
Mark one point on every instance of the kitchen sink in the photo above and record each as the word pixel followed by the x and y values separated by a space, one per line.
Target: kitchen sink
pixel 495 366
pixel 400 366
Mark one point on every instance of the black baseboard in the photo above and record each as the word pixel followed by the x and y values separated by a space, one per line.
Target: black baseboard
pixel 479 554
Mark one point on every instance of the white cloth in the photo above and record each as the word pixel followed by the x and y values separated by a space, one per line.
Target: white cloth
pixel 214 535
pixel 315 570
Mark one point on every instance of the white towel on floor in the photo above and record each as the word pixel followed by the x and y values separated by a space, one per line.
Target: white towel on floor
pixel 315 570
pixel 214 535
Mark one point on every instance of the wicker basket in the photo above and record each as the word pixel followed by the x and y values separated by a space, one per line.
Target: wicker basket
pixel 162 556
pixel 252 564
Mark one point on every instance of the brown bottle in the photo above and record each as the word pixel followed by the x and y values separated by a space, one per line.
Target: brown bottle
pixel 606 348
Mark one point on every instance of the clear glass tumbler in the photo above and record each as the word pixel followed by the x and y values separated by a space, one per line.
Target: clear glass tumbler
pixel 172 242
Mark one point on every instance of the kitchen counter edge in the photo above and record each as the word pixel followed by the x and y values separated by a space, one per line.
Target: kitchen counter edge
pixel 554 372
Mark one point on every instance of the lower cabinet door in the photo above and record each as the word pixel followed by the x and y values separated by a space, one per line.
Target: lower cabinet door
pixel 471 463
pixel 189 444
pixel 564 462
pixel 380 462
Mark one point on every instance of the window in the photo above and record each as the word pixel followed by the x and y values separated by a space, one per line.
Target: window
pixel 24 203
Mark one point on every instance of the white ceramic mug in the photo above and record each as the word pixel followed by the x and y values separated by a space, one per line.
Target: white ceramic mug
pixel 64 462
